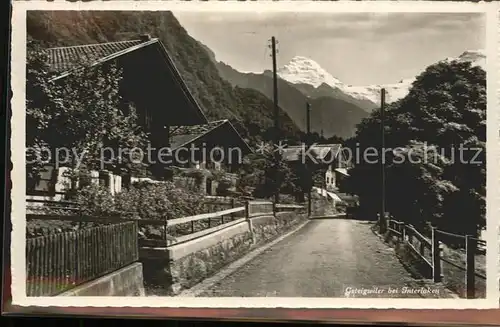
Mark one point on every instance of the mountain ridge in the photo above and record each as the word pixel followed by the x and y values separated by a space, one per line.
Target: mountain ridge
pixel 334 116
pixel 302 70
pixel 338 104
pixel 249 110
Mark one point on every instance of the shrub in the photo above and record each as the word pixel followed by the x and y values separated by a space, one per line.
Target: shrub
pixel 95 200
pixel 142 200
pixel 287 199
pixel 158 201
pixel 224 185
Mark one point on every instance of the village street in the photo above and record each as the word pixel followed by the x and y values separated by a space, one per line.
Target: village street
pixel 323 259
pixel 217 167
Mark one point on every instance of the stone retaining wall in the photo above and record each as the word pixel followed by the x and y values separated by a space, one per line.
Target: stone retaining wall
pixel 266 228
pixel 127 281
pixel 169 270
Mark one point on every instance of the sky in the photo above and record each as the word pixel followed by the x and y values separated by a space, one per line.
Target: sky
pixel 356 48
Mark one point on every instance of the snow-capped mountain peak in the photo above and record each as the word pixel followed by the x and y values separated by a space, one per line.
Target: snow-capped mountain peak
pixel 476 57
pixel 302 70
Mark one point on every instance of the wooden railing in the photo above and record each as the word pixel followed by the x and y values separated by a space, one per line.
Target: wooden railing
pixel 288 207
pixel 179 230
pixel 260 208
pixel 217 203
pixel 68 206
pixel 56 263
pixel 59 262
pixel 431 251
pixel 204 224
pixel 200 225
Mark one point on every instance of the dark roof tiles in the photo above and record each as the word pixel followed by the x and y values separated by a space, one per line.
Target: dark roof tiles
pixel 196 129
pixel 317 151
pixel 182 135
pixel 62 59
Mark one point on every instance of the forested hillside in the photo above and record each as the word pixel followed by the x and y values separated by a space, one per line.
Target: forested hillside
pixel 329 113
pixel 249 110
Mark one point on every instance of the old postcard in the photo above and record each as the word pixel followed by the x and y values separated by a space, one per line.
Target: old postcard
pixel 243 155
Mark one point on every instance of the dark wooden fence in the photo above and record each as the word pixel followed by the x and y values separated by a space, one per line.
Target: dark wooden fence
pixel 430 252
pixel 56 263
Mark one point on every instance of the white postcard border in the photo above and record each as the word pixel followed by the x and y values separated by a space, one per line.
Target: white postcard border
pixel 18 180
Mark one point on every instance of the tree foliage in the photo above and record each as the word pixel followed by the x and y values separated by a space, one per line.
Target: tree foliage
pixel 250 111
pixel 435 171
pixel 268 174
pixel 77 117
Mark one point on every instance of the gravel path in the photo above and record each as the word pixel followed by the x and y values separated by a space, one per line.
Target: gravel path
pixel 326 258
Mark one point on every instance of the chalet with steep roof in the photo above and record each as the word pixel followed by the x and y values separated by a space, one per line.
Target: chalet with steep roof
pixel 154 85
pixel 216 146
pixel 221 146
pixel 150 80
pixel 326 156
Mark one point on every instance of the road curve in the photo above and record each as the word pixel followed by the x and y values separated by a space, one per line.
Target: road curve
pixel 326 258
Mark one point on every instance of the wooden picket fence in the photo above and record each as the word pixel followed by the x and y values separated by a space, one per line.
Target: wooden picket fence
pixel 58 262
pixel 430 251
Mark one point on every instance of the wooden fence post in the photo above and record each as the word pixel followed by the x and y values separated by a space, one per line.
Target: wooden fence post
pixel 382 223
pixel 232 207
pixel 403 233
pixel 410 235
pixel 77 275
pixel 470 251
pixel 136 240
pixel 436 256
pixel 80 212
pixel 247 209
pixel 247 217
pixel 422 248
pixel 165 233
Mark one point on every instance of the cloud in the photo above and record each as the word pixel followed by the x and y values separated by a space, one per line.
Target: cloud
pixel 337 24
pixel 411 23
pixel 361 48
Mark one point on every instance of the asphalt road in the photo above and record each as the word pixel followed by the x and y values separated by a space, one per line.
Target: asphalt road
pixel 326 258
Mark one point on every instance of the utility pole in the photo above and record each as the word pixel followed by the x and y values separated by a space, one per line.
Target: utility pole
pixel 308 122
pixel 275 91
pixel 382 153
pixel 276 111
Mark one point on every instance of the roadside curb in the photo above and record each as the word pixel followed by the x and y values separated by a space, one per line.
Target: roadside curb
pixel 339 215
pixel 232 267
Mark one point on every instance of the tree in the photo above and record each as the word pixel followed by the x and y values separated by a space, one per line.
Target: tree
pixel 415 187
pixel 436 170
pixel 268 176
pixel 275 176
pixel 78 117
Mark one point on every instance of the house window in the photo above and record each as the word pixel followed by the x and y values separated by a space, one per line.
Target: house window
pixel 104 178
pixel 339 162
pixel 126 181
pixel 328 180
pixel 44 183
